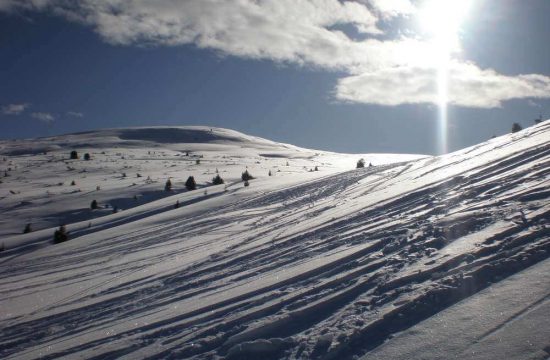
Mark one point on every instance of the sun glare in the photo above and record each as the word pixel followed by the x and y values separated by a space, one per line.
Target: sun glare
pixel 441 20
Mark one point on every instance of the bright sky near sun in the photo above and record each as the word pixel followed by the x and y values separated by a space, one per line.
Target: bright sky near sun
pixel 426 76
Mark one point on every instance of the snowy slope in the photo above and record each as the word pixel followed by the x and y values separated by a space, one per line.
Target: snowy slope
pixel 328 264
pixel 130 167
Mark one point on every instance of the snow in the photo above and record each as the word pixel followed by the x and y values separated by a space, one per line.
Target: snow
pixel 336 263
pixel 508 320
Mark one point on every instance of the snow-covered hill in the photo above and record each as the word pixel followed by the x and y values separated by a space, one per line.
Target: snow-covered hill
pixel 338 263
pixel 128 169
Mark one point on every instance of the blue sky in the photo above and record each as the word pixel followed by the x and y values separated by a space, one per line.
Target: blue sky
pixel 354 76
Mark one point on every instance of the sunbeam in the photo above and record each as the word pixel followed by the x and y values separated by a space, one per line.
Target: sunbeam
pixel 442 21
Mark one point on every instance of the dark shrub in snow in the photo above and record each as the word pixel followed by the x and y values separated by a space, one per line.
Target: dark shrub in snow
pixel 361 163
pixel 87 156
pixel 246 176
pixel 60 235
pixel 28 228
pixel 516 127
pixel 190 184
pixel 168 185
pixel 217 180
pixel 74 154
pixel 93 205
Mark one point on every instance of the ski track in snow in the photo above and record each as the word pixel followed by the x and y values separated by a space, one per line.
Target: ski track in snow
pixel 329 267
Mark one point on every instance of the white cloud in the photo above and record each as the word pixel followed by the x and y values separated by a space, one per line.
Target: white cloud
pixel 469 86
pixel 473 87
pixel 304 32
pixel 75 114
pixel 392 8
pixel 14 109
pixel 44 117
pixel 390 86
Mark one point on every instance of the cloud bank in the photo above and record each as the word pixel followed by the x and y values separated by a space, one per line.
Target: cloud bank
pixel 14 109
pixel 44 117
pixel 75 114
pixel 304 32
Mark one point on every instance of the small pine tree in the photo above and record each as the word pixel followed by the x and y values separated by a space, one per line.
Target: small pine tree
pixel 269 173
pixel 168 185
pixel 245 176
pixel 361 163
pixel 60 235
pixel 177 204
pixel 516 127
pixel 98 188
pixel 73 183
pixel 27 229
pixel 197 162
pixel 190 184
pixel 316 168
pixel 217 180
pixel 94 205
pixel 74 155
pixel 87 157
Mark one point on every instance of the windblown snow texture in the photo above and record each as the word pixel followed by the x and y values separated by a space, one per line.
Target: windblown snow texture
pixel 315 265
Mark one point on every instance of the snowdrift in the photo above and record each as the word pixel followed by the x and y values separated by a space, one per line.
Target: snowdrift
pixel 365 263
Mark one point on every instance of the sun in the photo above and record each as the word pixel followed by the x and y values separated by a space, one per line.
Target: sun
pixel 441 21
